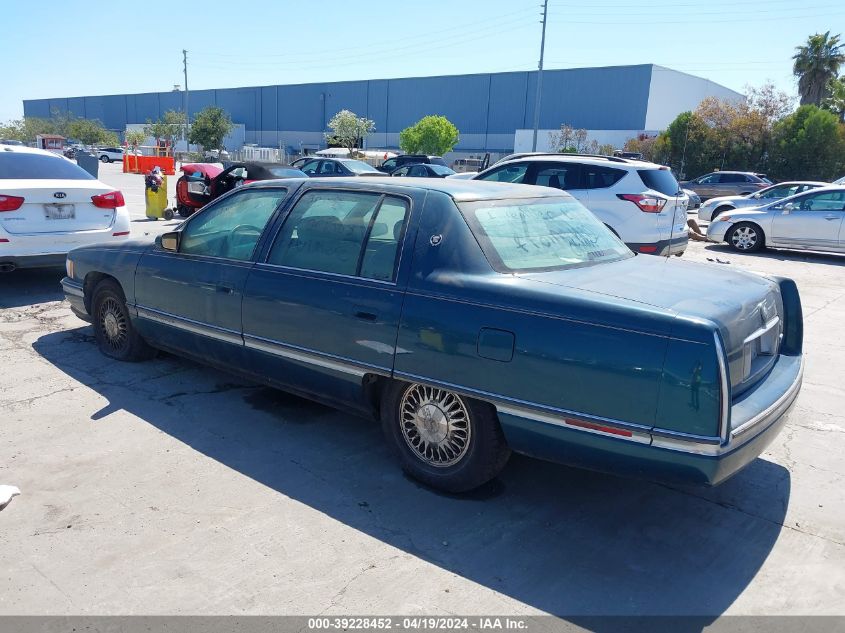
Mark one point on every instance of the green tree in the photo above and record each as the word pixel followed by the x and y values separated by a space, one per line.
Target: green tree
pixel 210 127
pixel 90 132
pixel 816 64
pixel 348 130
pixel 135 138
pixel 169 128
pixel 808 144
pixel 434 134
pixel 835 102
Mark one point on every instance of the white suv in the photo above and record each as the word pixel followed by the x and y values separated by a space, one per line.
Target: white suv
pixel 49 205
pixel 639 201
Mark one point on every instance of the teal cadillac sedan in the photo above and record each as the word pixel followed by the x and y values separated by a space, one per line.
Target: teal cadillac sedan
pixel 471 318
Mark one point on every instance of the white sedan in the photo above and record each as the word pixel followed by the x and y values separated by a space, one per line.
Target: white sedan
pixel 813 220
pixel 49 205
pixel 109 154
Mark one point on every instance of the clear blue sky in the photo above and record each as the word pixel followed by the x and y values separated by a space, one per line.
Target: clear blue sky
pixel 44 53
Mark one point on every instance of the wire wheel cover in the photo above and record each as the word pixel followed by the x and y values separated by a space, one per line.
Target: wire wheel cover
pixel 113 324
pixel 435 424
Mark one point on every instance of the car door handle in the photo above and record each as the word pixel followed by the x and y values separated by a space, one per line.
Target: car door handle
pixel 365 316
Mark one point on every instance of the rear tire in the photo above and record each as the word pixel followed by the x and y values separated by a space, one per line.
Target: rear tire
pixel 443 439
pixel 105 159
pixel 113 330
pixel 746 237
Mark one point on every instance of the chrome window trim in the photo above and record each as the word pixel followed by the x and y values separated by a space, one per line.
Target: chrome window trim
pixel 189 325
pixel 313 357
pixel 310 273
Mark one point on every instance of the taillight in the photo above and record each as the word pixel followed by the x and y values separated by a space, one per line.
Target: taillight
pixel 110 200
pixel 10 203
pixel 647 204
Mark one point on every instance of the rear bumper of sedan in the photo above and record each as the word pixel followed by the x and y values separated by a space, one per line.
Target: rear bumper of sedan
pixel 757 418
pixel 663 248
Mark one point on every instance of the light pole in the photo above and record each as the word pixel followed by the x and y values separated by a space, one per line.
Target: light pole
pixel 540 78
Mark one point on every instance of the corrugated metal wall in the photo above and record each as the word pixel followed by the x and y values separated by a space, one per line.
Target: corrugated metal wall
pixel 486 108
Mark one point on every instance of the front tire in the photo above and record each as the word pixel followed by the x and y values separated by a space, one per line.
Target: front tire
pixel 746 237
pixel 443 439
pixel 113 330
pixel 105 159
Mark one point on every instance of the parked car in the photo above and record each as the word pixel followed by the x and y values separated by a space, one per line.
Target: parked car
pixel 811 220
pixel 318 167
pixel 471 319
pixel 727 183
pixel 641 202
pixel 715 206
pixel 423 171
pixel 109 154
pixel 7 141
pixel 694 200
pixel 396 162
pixel 49 205
pixel 464 165
pixel 200 183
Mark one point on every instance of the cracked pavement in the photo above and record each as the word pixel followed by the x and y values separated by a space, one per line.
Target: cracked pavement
pixel 167 487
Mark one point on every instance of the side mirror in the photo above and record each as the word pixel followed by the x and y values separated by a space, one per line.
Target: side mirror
pixel 789 206
pixel 169 241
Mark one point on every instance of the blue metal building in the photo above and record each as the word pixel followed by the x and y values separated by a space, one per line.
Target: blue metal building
pixel 489 109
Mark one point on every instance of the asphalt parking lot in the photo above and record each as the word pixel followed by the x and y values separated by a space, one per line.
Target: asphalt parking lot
pixel 167 487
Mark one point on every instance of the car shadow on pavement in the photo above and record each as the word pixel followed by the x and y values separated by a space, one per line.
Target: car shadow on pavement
pixel 725 252
pixel 29 286
pixel 564 541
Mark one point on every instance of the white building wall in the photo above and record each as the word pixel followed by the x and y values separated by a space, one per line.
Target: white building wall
pixel 524 138
pixel 673 92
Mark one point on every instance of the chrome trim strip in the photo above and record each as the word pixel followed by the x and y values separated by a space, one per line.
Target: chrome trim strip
pixel 311 357
pixel 760 332
pixel 686 437
pixel 73 288
pixel 788 395
pixel 725 389
pixel 189 325
pixel 636 436
pixel 534 411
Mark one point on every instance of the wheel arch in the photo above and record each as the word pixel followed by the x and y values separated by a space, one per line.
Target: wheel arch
pixel 91 281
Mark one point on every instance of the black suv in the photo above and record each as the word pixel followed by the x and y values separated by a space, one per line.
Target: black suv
pixel 392 164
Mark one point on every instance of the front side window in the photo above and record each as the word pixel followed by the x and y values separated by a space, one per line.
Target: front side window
pixel 710 179
pixel 310 166
pixel 417 170
pixel 541 234
pixel 506 173
pixel 231 228
pixel 342 232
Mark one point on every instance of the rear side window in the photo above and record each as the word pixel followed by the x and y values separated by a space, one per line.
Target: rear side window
pixel 597 177
pixel 660 180
pixel 343 232
pixel 565 176
pixel 39 167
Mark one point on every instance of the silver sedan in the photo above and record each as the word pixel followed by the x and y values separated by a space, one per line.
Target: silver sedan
pixel 812 220
pixel 714 206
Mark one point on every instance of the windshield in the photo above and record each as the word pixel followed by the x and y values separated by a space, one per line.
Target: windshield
pixel 358 166
pixel 285 172
pixel 660 180
pixel 39 167
pixel 541 234
pixel 441 170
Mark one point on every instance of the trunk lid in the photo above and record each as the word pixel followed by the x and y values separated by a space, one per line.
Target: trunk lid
pixel 57 206
pixel 741 304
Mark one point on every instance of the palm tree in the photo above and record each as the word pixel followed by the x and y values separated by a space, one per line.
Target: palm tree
pixel 816 64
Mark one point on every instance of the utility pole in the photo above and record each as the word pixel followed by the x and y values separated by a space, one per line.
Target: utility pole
pixel 187 115
pixel 540 77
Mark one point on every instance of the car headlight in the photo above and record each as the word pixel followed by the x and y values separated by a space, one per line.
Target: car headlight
pixel 69 267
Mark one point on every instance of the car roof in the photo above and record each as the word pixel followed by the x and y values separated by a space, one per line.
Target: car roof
pixel 20 149
pixel 590 159
pixel 458 189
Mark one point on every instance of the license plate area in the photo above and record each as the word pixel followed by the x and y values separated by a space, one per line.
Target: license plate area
pixel 59 211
